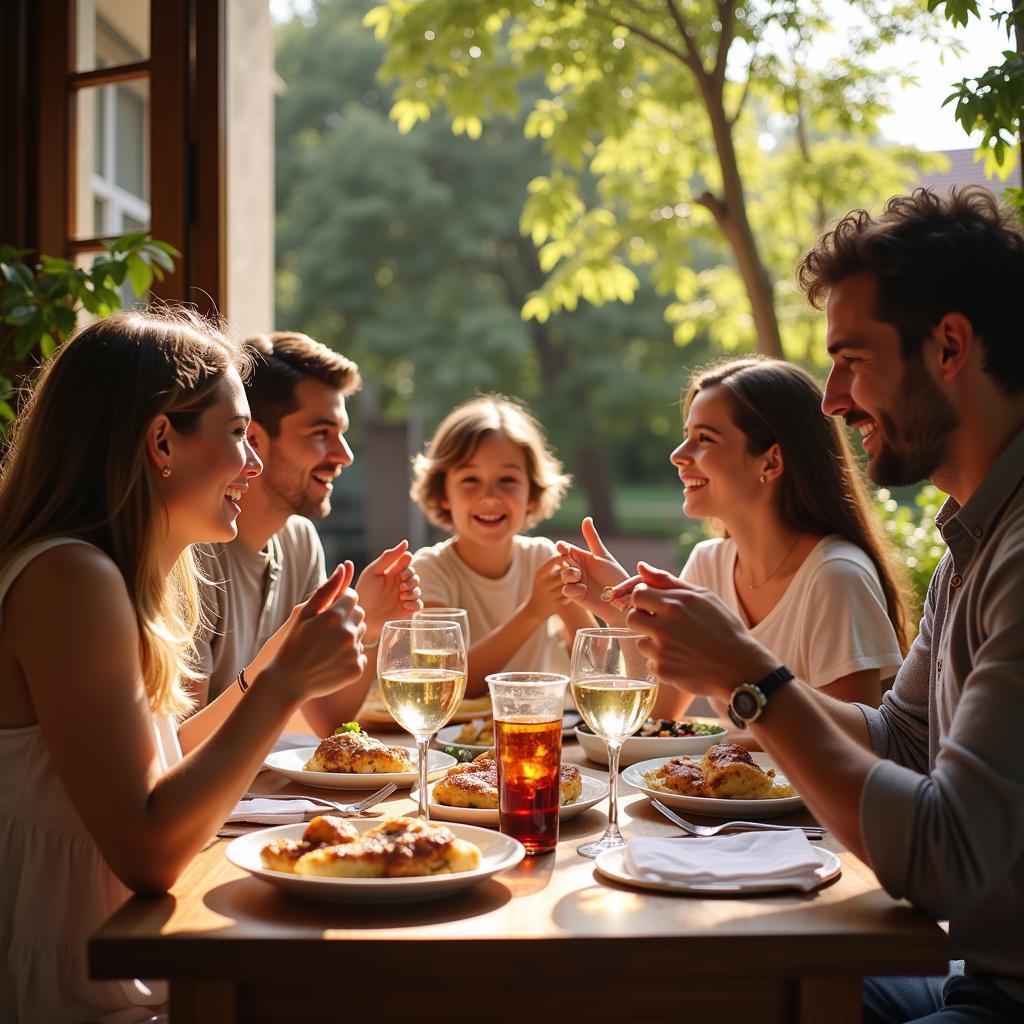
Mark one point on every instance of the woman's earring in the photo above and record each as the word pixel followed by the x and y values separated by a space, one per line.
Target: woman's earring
pixel 165 472
pixel 762 477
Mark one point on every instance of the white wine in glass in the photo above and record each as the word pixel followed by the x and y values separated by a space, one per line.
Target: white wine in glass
pixel 421 667
pixel 614 691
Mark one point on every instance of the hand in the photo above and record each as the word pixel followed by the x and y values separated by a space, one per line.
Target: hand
pixel 587 573
pixel 546 598
pixel 692 639
pixel 322 649
pixel 389 588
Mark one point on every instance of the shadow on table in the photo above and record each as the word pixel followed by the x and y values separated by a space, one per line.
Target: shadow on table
pixel 252 901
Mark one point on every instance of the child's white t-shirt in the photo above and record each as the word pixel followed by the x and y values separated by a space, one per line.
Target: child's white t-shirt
pixel 446 580
pixel 830 622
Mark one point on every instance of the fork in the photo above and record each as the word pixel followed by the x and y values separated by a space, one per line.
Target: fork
pixel 703 831
pixel 357 808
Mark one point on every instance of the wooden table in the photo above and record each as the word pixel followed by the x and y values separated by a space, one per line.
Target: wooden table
pixel 547 940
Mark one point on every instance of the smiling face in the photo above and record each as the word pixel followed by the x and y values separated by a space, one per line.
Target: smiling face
pixel 717 471
pixel 905 421
pixel 488 495
pixel 210 469
pixel 308 452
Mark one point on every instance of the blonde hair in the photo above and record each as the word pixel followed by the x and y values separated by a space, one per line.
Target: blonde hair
pixel 76 465
pixel 459 436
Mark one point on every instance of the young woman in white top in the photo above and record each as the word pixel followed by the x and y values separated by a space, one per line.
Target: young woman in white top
pixel 799 556
pixel 131 448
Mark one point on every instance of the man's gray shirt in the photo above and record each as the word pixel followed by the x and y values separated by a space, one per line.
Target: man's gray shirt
pixel 943 816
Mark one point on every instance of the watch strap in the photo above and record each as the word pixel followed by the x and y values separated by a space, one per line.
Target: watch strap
pixel 771 682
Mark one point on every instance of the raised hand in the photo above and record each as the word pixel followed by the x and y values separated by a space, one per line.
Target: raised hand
pixel 322 649
pixel 546 598
pixel 389 588
pixel 588 572
pixel 692 639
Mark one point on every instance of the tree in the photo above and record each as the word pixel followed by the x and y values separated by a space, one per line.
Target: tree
pixel 665 103
pixel 992 102
pixel 405 252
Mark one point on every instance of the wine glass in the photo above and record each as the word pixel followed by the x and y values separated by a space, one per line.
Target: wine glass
pixel 421 667
pixel 459 615
pixel 614 691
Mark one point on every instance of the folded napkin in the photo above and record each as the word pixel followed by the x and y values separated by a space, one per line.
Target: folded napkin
pixel 275 812
pixel 746 858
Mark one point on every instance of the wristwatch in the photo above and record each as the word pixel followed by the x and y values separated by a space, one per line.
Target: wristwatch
pixel 748 701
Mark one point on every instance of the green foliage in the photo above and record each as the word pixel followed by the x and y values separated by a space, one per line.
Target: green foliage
pixel 992 102
pixel 913 531
pixel 40 302
pixel 405 252
pixel 643 110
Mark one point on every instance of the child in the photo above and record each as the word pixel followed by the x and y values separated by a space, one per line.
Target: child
pixel 486 475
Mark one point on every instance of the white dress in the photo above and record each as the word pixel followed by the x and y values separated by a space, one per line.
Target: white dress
pixel 57 889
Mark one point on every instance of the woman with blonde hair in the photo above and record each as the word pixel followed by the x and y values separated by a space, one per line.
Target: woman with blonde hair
pixel 131 448
pixel 800 555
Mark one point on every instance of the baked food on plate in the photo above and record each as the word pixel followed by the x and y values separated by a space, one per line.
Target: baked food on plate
pixel 357 752
pixel 476 784
pixel 396 848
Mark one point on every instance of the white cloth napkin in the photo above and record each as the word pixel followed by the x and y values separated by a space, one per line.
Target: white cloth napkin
pixel 783 858
pixel 275 812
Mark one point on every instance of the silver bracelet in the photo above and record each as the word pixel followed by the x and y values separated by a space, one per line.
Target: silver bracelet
pixel 373 646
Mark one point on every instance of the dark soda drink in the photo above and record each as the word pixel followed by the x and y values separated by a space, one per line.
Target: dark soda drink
pixel 529 751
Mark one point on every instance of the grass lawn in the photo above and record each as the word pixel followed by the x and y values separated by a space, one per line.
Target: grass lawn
pixel 643 510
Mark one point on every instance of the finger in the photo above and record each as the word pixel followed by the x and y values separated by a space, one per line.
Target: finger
pixel 653 599
pixel 327 593
pixel 574 591
pixel 571 551
pixel 401 563
pixel 386 560
pixel 593 538
pixel 554 562
pixel 621 590
pixel 571 574
pixel 656 577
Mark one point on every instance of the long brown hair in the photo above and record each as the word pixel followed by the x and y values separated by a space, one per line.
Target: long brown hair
pixel 821 490
pixel 76 466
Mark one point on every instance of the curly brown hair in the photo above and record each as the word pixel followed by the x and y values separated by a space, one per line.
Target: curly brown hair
pixel 930 255
pixel 459 436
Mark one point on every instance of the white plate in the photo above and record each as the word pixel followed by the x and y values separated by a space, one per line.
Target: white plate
pixel 714 808
pixel 594 791
pixel 289 763
pixel 642 748
pixel 497 853
pixel 612 864
pixel 449 735
pixel 375 712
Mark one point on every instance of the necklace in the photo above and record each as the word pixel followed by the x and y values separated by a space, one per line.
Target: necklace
pixel 775 571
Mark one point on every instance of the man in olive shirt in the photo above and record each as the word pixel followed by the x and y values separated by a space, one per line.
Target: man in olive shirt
pixel 296 390
pixel 925 336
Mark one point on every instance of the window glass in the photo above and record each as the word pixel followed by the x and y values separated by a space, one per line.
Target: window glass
pixel 110 32
pixel 112 186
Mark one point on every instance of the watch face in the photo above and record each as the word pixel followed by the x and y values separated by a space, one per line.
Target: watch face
pixel 745 704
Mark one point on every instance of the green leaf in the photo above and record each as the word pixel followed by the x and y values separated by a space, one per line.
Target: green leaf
pixel 47 346
pixel 21 315
pixel 6 412
pixel 140 274
pixel 19 275
pixel 158 255
pixel 65 320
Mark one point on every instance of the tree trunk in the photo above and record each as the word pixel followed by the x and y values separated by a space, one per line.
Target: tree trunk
pixel 592 471
pixel 730 213
pixel 593 475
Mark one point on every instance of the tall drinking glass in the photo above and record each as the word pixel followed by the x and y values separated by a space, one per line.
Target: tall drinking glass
pixel 421 667
pixel 459 615
pixel 528 749
pixel 614 691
